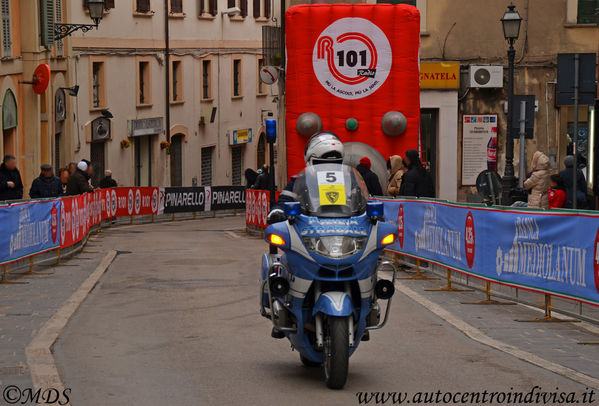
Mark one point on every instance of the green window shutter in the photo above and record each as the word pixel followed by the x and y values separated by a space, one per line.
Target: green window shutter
pixel 588 11
pixel 410 2
pixel 59 44
pixel 47 22
pixel 6 29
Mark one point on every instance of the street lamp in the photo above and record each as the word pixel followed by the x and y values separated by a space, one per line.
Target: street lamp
pixel 96 12
pixel 511 29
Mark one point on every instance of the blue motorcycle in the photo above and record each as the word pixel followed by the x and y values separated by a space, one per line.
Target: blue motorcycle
pixel 323 291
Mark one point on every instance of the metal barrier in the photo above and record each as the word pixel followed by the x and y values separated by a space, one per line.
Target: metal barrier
pixel 48 231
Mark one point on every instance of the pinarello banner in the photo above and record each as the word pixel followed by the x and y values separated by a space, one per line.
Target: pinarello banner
pixel 527 249
pixel 352 61
pixel 257 207
pixel 201 198
pixel 28 229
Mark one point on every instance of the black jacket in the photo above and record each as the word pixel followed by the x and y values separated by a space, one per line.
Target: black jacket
pixel 568 176
pixel 107 182
pixel 78 183
pixel 416 181
pixel 42 187
pixel 8 193
pixel 372 181
pixel 262 181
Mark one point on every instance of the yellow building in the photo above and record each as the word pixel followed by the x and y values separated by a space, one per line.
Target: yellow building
pixel 35 127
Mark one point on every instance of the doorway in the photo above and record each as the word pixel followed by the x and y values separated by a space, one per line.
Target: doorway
pixel 429 133
pixel 143 161
pixel 176 158
pixel 236 164
pixel 261 151
pixel 98 162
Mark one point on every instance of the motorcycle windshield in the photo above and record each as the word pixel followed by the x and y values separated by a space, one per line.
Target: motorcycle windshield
pixel 331 190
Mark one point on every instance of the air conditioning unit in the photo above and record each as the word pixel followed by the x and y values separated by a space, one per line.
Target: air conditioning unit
pixel 488 76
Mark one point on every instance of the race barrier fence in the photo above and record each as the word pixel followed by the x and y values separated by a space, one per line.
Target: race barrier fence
pixel 35 227
pixel 555 253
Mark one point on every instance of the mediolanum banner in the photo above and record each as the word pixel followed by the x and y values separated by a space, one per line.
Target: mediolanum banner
pixel 527 249
pixel 28 228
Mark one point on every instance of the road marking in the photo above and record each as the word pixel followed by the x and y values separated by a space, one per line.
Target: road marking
pixel 477 335
pixel 42 366
pixel 232 235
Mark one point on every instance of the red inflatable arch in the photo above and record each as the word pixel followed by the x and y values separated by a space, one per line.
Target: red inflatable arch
pixel 355 62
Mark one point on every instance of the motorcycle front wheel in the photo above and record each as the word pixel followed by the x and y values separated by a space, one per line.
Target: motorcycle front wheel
pixel 336 352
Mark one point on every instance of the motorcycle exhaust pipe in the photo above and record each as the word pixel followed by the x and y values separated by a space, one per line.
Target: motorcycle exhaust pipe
pixel 384 289
pixel 279 286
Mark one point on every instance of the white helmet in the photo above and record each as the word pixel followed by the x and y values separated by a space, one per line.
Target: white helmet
pixel 324 147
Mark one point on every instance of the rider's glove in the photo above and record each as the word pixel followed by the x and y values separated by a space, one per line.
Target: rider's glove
pixel 276 216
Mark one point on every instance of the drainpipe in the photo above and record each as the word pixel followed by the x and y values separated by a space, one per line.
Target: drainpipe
pixel 167 83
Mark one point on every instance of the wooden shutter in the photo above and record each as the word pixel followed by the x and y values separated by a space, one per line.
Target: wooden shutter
pixel 143 6
pixel 47 22
pixel 176 6
pixel 230 3
pixel 244 8
pixel 257 8
pixel 58 19
pixel 267 8
pixel 213 7
pixel 6 29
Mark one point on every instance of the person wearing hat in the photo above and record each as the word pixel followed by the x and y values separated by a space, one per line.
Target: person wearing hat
pixel 79 180
pixel 372 181
pixel 46 185
pixel 107 181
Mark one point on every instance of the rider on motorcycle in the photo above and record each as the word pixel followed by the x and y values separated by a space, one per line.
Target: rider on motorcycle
pixel 323 148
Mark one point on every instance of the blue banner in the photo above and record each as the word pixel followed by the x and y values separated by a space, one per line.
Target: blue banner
pixel 28 229
pixel 552 252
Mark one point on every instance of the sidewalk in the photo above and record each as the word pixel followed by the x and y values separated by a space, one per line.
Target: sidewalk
pixel 24 308
pixel 556 342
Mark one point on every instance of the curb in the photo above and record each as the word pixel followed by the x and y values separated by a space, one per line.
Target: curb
pixel 477 335
pixel 40 360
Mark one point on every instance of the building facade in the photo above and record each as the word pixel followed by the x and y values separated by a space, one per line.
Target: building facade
pixel 35 127
pixel 170 91
pixel 457 36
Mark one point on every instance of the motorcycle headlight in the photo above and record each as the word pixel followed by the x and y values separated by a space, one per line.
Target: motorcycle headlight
pixel 335 246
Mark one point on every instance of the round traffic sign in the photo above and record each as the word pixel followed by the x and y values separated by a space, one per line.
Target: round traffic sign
pixel 269 75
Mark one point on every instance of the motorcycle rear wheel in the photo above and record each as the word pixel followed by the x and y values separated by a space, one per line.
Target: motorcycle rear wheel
pixel 336 352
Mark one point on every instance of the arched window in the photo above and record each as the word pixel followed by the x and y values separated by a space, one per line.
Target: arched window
pixel 9 123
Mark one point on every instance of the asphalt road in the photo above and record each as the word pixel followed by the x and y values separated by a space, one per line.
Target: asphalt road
pixel 176 322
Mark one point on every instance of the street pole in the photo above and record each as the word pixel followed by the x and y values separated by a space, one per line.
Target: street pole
pixel 271 175
pixel 522 171
pixel 575 139
pixel 508 177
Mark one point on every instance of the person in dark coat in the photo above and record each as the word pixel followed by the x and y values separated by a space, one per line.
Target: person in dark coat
pixel 568 176
pixel 263 179
pixel 11 185
pixel 416 181
pixel 107 181
pixel 250 177
pixel 79 181
pixel 46 185
pixel 372 181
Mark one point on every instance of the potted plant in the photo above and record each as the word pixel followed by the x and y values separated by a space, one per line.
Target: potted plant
pixel 125 143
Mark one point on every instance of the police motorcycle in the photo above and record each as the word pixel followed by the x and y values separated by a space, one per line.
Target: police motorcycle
pixel 323 292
